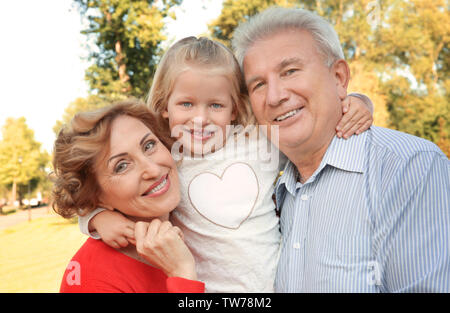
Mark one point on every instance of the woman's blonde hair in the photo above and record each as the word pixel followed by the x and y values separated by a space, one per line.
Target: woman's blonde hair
pixel 192 51
pixel 77 148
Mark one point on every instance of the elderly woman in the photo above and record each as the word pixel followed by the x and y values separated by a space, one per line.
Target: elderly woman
pixel 117 159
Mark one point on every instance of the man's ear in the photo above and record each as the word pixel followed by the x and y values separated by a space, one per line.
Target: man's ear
pixel 341 70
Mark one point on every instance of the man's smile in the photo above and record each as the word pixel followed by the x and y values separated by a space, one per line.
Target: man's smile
pixel 287 114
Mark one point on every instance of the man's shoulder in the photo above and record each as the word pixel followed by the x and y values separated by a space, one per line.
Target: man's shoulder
pixel 400 145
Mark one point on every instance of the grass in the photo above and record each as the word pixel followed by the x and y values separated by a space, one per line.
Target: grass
pixel 34 255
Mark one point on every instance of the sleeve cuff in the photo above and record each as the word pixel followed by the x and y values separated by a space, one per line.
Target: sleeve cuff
pixel 183 285
pixel 83 223
pixel 364 98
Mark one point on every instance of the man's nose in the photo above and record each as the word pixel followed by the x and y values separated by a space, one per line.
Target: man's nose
pixel 276 92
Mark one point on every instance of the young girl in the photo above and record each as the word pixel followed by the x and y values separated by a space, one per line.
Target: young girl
pixel 227 174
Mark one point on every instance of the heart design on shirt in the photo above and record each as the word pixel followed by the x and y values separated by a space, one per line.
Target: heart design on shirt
pixel 227 200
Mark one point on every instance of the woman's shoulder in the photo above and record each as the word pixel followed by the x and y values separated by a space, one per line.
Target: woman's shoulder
pixel 92 252
pixel 87 265
pixel 96 267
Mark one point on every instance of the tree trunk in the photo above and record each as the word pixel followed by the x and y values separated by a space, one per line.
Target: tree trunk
pixel 14 192
pixel 123 76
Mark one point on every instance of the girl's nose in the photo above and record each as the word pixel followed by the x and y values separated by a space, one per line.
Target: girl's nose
pixel 201 117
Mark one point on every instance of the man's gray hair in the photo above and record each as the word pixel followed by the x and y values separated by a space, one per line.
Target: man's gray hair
pixel 275 19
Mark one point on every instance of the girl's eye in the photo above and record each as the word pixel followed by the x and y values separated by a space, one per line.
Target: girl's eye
pixel 186 104
pixel 120 167
pixel 149 145
pixel 216 106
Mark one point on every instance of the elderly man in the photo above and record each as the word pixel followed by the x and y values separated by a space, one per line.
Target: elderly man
pixel 367 214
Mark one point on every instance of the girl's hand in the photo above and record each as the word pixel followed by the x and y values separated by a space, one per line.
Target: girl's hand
pixel 162 245
pixel 114 228
pixel 357 117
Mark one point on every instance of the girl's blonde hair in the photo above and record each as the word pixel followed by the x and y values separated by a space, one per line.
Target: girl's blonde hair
pixel 192 51
pixel 77 148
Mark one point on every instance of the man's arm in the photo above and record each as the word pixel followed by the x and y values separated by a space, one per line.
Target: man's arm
pixel 413 235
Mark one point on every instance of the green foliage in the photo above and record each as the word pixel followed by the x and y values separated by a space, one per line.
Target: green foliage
pixel 89 103
pixel 419 43
pixel 398 53
pixel 237 11
pixel 127 37
pixel 21 160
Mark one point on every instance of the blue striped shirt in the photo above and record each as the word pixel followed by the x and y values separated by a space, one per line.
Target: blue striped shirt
pixel 374 217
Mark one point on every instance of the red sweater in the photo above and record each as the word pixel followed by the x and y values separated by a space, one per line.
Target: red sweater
pixel 97 267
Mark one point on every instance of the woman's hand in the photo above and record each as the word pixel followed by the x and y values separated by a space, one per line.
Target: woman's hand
pixel 114 228
pixel 162 245
pixel 357 118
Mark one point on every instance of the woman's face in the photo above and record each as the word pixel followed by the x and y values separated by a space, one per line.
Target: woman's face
pixel 137 174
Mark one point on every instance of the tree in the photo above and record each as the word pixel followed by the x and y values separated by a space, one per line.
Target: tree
pixel 89 103
pixel 237 11
pixel 418 58
pixel 127 37
pixel 21 160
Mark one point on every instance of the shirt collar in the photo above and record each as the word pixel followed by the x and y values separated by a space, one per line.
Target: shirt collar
pixel 288 178
pixel 346 154
pixel 287 182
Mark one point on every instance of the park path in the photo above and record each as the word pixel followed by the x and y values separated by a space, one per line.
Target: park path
pixel 22 216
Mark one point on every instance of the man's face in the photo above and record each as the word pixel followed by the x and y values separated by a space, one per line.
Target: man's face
pixel 291 87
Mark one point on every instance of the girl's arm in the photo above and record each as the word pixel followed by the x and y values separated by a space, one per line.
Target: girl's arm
pixel 84 223
pixel 358 115
pixel 112 227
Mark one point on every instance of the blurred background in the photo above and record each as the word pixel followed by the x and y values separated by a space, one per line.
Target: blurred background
pixel 59 57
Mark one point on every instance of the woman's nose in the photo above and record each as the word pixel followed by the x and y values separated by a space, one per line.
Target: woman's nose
pixel 150 169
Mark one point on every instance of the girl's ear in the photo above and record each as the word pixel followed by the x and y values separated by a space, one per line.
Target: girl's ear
pixel 233 115
pixel 165 113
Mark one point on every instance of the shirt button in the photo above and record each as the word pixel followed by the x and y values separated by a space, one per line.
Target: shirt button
pixel 296 245
pixel 304 197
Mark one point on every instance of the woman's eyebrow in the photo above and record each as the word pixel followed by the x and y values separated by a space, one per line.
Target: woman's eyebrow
pixel 125 153
pixel 143 138
pixel 117 156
